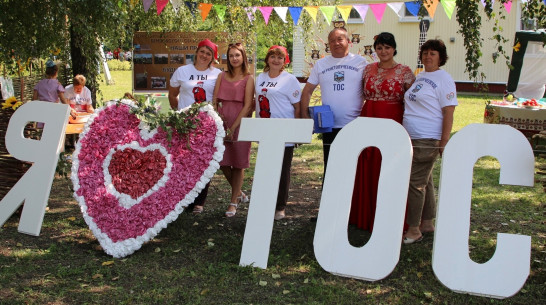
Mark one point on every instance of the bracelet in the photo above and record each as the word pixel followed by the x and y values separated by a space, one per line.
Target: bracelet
pixel 228 132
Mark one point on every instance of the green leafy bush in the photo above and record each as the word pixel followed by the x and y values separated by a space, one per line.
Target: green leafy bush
pixel 118 65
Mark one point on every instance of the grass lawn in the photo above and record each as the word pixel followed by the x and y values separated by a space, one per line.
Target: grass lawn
pixel 195 259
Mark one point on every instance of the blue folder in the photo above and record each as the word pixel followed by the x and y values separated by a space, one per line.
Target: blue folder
pixel 323 118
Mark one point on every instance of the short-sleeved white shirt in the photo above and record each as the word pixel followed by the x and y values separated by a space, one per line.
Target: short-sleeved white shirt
pixel 275 96
pixel 78 101
pixel 195 85
pixel 424 101
pixel 279 93
pixel 340 81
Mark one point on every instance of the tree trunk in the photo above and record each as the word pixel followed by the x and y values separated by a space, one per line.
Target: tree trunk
pixel 80 63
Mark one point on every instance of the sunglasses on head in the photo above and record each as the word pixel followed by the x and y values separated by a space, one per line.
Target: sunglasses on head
pixel 234 44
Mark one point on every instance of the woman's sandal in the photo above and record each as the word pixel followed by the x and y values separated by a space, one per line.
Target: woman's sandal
pixel 409 241
pixel 243 198
pixel 197 209
pixel 232 213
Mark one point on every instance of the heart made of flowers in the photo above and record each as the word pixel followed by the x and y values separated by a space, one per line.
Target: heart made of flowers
pixel 123 219
pixel 125 165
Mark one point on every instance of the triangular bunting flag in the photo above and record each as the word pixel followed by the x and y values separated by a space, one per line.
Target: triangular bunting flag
pixel 345 11
pixel 413 7
pixel 220 11
pixel 492 3
pixel 378 10
pixel 312 11
pixel 191 6
pixel 449 7
pixel 431 6
pixel 205 10
pixel 176 5
pixel 508 6
pixel 266 12
pixel 147 4
pixel 250 13
pixel 396 7
pixel 160 4
pixel 328 12
pixel 295 12
pixel 362 10
pixel 281 11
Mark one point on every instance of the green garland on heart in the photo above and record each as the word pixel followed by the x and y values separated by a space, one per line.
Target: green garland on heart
pixel 149 111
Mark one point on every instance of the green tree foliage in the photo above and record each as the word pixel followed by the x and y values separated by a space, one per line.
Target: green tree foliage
pixel 470 24
pixel 36 28
pixel 535 10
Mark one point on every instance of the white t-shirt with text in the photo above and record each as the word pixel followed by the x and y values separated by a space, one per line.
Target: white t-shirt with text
pixel 275 96
pixel 195 85
pixel 424 101
pixel 340 81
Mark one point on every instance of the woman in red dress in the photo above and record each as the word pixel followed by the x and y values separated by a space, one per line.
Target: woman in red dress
pixel 384 84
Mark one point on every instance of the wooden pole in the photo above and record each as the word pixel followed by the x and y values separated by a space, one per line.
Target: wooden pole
pixel 22 81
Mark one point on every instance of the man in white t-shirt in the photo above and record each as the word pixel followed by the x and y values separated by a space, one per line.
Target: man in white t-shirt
pixel 340 80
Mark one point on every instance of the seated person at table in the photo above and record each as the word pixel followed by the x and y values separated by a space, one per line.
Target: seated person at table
pixel 78 95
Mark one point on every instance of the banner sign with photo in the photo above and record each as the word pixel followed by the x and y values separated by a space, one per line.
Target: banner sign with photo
pixel 157 55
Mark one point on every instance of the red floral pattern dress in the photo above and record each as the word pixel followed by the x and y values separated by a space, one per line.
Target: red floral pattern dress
pixel 384 94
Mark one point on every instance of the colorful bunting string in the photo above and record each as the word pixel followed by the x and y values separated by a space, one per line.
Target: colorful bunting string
pixel 281 12
pixel 191 6
pixel 250 11
pixel 449 7
pixel 483 2
pixel 396 7
pixel 220 11
pixel 508 6
pixel 312 11
pixel 362 10
pixel 295 12
pixel 205 8
pixel 328 12
pixel 431 6
pixel 345 11
pixel 413 7
pixel 160 5
pixel 266 12
pixel 378 9
pixel 147 4
pixel 176 5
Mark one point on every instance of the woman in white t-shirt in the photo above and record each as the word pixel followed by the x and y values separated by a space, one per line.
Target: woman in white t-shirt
pixel 428 118
pixel 278 96
pixel 194 83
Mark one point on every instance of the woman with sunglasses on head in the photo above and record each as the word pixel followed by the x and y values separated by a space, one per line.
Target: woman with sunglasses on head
pixel 384 84
pixel 278 96
pixel 233 96
pixel 195 83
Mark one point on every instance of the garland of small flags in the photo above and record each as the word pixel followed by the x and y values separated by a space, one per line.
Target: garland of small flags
pixel 378 9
